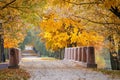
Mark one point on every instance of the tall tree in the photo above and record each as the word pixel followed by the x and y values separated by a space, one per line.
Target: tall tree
pixel 103 16
pixel 15 19
pixel 59 33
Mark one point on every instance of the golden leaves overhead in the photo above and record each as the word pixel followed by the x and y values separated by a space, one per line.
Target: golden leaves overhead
pixel 66 32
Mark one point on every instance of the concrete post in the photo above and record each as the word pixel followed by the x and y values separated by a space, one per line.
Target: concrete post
pixel 13 58
pixel 84 54
pixel 71 53
pixel 74 53
pixel 91 57
pixel 67 53
pixel 79 53
pixel 76 56
pixel 65 56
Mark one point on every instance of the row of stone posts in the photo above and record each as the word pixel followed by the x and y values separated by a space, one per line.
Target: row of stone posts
pixel 84 55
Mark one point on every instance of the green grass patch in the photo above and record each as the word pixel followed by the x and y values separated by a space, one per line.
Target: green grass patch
pixel 14 74
pixel 111 73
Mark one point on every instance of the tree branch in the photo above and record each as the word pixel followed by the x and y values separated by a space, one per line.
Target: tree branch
pixel 8 4
pixel 83 3
pixel 115 11
pixel 103 23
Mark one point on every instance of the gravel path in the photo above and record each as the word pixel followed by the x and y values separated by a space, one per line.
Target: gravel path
pixel 59 70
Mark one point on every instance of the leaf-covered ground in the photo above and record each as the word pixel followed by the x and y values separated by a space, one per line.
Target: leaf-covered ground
pixel 14 74
pixel 45 69
pixel 111 73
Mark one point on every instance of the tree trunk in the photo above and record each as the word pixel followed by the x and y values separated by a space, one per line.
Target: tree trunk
pixel 119 56
pixel 114 61
pixel 113 55
pixel 2 50
pixel 0 43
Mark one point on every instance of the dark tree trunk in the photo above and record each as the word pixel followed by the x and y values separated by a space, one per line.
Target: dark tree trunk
pixel 119 56
pixel 114 61
pixel 2 55
pixel 2 50
pixel 114 58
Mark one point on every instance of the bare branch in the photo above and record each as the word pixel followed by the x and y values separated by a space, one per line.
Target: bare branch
pixel 8 4
pixel 115 11
pixel 103 23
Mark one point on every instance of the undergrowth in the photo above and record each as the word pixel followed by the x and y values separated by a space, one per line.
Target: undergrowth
pixel 14 74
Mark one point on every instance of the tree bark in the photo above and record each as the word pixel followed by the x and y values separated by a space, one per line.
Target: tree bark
pixel 0 50
pixel 7 4
pixel 113 55
pixel 119 56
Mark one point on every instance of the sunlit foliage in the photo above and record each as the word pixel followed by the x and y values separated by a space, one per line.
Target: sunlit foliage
pixel 59 33
pixel 14 74
pixel 16 20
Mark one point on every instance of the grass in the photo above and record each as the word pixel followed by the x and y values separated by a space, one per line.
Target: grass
pixel 111 73
pixel 14 74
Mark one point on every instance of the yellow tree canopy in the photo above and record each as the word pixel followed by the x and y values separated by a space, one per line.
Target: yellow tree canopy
pixel 16 20
pixel 59 33
pixel 13 35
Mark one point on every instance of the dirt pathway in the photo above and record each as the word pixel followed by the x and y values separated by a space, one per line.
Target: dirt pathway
pixel 59 70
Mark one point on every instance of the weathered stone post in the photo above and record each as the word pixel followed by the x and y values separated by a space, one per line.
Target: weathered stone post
pixel 13 58
pixel 69 53
pixel 79 53
pixel 91 57
pixel 74 57
pixel 66 53
pixel 71 50
pixel 71 57
pixel 84 54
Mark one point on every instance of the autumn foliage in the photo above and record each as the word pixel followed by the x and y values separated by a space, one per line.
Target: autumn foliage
pixel 14 74
pixel 64 32
pixel 13 35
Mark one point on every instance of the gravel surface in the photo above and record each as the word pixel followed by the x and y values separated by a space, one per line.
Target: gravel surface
pixel 59 70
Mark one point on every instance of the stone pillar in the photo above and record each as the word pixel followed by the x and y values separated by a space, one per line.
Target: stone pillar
pixel 65 56
pixel 72 54
pixel 91 57
pixel 13 58
pixel 84 54
pixel 68 54
pixel 78 50
pixel 79 54
pixel 76 54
